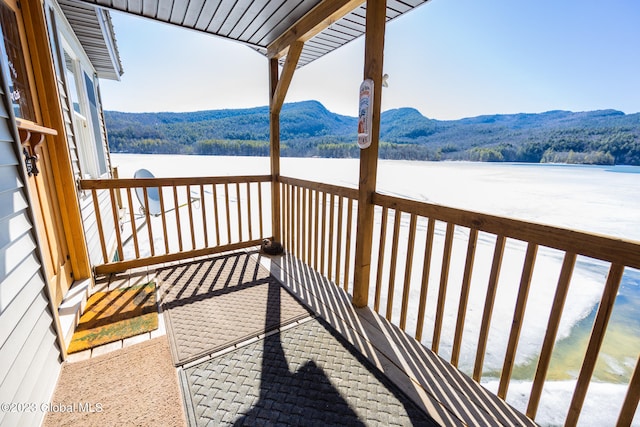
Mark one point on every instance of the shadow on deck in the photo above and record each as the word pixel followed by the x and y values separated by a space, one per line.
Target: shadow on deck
pixel 330 364
pixel 249 353
pixel 449 396
pixel 269 341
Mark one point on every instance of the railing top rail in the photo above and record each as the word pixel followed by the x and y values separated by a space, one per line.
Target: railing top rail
pixel 605 248
pixel 351 193
pixel 103 184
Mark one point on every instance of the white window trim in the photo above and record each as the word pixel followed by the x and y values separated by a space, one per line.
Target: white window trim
pixel 82 123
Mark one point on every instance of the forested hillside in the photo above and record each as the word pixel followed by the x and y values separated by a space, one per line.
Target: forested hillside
pixel 309 129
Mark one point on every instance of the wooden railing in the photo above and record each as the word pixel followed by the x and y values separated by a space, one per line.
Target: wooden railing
pixel 193 217
pixel 456 227
pixel 422 253
pixel 319 224
pixel 421 249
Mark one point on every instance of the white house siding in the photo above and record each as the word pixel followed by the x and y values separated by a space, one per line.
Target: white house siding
pixel 29 355
pixel 91 228
pixel 59 24
pixel 71 140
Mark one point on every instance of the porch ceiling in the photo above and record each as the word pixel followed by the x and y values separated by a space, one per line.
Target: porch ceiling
pixel 268 26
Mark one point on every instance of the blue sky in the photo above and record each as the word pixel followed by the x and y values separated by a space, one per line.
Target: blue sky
pixel 449 59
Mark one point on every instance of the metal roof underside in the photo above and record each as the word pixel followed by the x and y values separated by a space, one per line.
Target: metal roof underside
pixel 93 27
pixel 256 23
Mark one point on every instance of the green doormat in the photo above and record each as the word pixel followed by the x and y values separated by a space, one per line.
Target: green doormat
pixel 115 315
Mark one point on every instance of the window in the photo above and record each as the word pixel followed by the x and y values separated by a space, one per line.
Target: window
pixel 13 55
pixel 86 121
pixel 72 85
pixel 95 119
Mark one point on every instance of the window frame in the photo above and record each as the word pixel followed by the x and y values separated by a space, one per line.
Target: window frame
pixel 86 130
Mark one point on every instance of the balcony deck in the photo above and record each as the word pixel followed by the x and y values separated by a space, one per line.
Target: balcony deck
pixel 321 361
pixel 414 267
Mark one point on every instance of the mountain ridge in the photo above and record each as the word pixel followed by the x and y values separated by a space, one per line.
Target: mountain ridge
pixel 309 129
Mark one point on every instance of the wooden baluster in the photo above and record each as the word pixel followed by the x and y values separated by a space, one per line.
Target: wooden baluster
pixel 290 218
pixel 239 212
pixel 228 211
pixel 331 221
pixel 204 217
pixel 285 216
pixel 289 189
pixel 347 254
pixel 518 316
pixel 148 219
pixel 595 342
pixel 442 294
pixel 323 244
pixel 310 228
pixel 299 220
pixel 464 296
pixel 215 213
pixel 260 219
pixel 397 218
pixel 301 223
pixel 116 221
pixel 411 243
pixel 339 241
pixel 284 194
pixel 249 219
pixel 315 230
pixel 628 411
pixel 164 220
pixel 424 284
pixel 552 331
pixel 488 307
pixel 177 211
pixel 190 210
pixel 293 220
pixel 288 222
pixel 284 210
pixel 132 219
pixel 298 195
pixel 303 220
pixel 96 206
pixel 381 246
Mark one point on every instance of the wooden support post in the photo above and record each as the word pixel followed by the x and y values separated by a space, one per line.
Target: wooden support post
pixel 373 59
pixel 278 86
pixel 274 152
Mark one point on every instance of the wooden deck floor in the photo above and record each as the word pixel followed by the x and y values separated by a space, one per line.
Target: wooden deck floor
pixel 448 396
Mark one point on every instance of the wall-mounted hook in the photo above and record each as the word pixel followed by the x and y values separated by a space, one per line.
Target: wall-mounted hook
pixel 30 162
pixel 29 142
pixel 31 136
